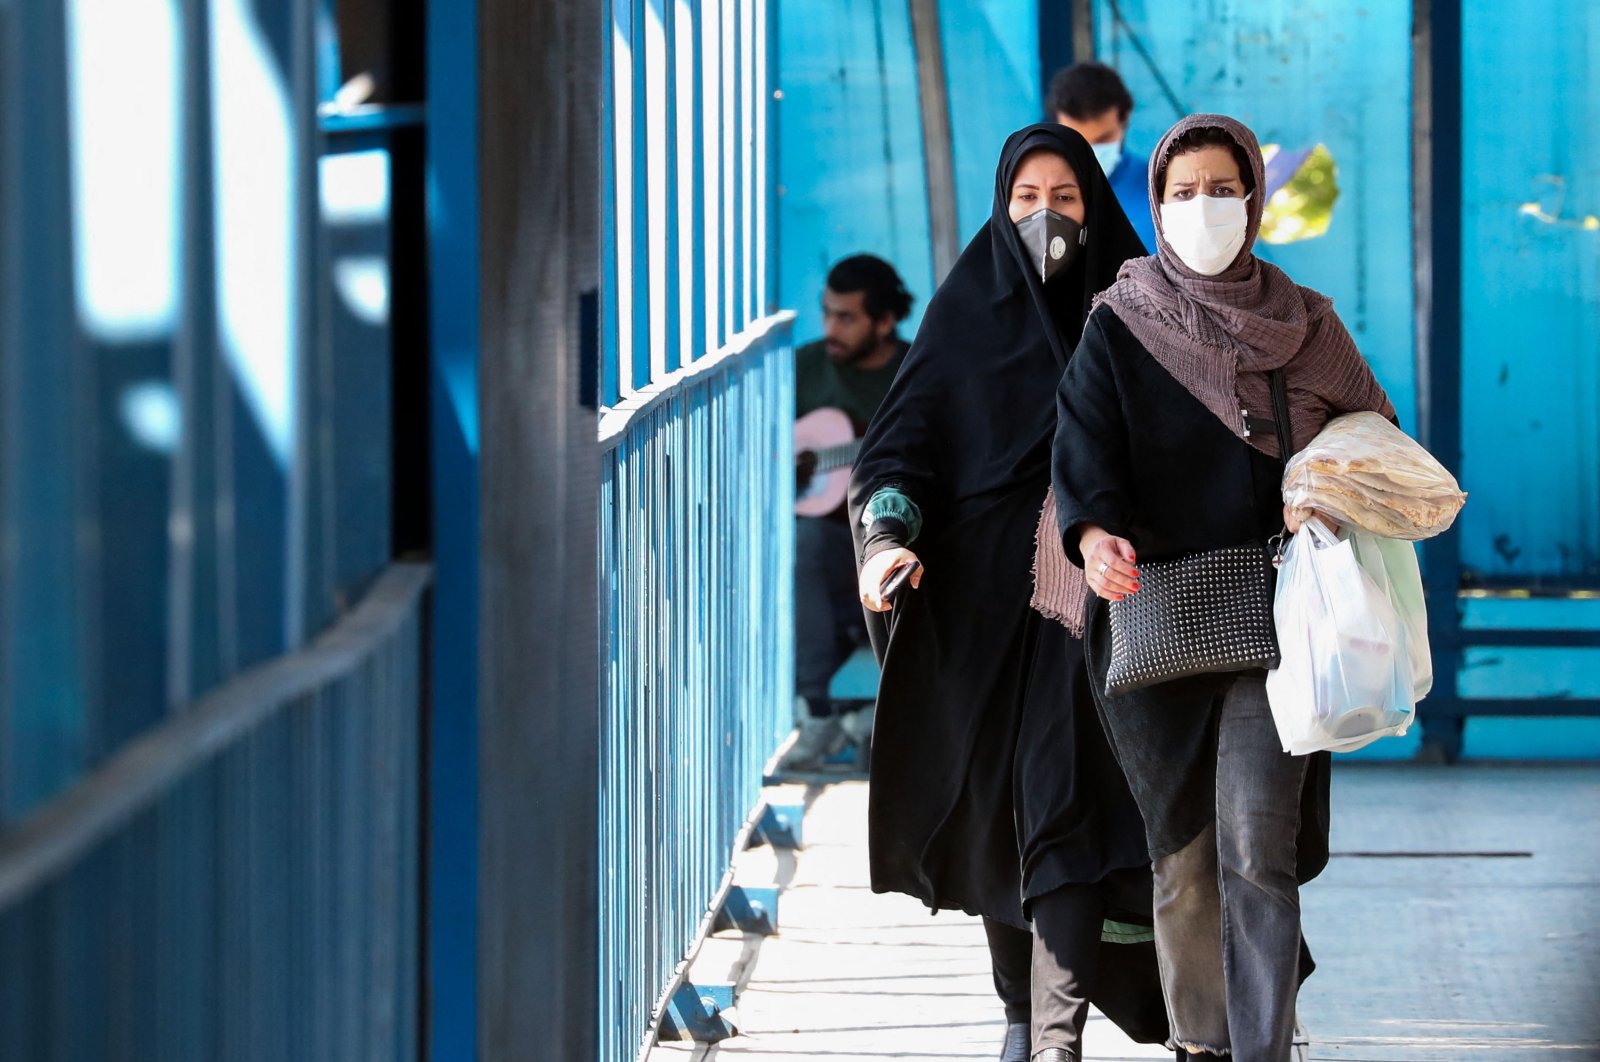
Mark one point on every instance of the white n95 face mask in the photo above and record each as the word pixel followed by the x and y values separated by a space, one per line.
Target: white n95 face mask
pixel 1206 232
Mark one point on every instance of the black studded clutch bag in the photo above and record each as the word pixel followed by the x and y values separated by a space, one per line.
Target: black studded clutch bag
pixel 1201 613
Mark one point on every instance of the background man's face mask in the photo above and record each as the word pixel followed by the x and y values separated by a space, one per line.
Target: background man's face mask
pixel 1051 241
pixel 1206 232
pixel 1108 155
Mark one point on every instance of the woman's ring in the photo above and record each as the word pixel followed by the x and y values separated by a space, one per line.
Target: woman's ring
pixel 1103 566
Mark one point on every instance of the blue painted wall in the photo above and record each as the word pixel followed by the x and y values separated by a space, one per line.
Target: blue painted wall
pixel 851 171
pixel 850 167
pixel 452 812
pixel 1299 73
pixel 991 62
pixel 1530 295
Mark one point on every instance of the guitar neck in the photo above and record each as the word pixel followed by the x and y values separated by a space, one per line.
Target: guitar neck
pixel 832 457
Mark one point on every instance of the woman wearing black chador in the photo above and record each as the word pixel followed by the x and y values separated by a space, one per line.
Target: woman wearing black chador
pixel 993 789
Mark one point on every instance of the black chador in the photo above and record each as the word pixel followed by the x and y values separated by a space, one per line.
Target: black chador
pixel 992 783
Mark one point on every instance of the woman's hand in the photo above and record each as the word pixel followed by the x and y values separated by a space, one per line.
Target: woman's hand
pixel 1109 564
pixel 876 572
pixel 1293 518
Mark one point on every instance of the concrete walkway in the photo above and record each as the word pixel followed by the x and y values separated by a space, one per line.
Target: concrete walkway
pixel 1460 919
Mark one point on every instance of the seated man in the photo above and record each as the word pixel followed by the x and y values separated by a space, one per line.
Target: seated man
pixel 841 379
pixel 1090 99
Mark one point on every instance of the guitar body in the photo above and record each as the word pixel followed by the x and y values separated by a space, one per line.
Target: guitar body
pixel 825 444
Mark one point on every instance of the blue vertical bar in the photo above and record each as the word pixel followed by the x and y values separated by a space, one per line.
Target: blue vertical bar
pixel 452 734
pixel 302 610
pixel 733 242
pixel 610 369
pixel 770 107
pixel 672 114
pixel 698 228
pixel 643 164
pixel 1439 354
pixel 44 703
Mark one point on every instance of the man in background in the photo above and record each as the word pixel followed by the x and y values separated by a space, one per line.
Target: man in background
pixel 1090 99
pixel 848 370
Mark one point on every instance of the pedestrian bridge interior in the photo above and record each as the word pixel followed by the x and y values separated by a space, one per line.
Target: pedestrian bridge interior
pixel 397 529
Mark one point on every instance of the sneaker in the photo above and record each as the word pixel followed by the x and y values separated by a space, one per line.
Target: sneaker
pixel 857 725
pixel 816 741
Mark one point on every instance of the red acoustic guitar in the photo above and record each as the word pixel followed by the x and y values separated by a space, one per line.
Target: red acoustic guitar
pixel 825 446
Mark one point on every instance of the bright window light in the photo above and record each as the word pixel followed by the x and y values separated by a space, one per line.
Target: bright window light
pixel 124 63
pixel 254 214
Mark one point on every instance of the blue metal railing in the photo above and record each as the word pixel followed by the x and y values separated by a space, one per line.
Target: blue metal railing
pixel 696 544
pixel 240 883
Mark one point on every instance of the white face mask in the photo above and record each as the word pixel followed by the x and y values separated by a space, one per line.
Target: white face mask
pixel 1206 232
pixel 1108 155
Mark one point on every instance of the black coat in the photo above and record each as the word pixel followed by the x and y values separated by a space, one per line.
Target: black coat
pixel 982 705
pixel 1138 455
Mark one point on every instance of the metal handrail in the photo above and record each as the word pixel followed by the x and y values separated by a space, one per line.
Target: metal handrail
pixel 614 420
pixel 51 839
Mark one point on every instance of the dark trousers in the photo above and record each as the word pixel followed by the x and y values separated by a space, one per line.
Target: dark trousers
pixel 1228 905
pixel 1011 960
pixel 828 624
pixel 1047 978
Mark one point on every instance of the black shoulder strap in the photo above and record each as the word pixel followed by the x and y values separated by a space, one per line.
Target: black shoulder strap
pixel 1280 414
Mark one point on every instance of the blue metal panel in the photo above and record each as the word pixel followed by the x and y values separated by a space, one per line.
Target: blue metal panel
pixel 991 61
pixel 44 652
pixel 350 536
pixel 241 884
pixel 850 155
pixel 452 764
pixel 1530 299
pixel 163 527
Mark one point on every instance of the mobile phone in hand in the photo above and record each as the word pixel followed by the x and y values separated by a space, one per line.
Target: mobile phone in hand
pixel 898 578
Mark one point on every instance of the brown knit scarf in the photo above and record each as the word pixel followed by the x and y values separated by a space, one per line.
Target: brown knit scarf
pixel 1060 589
pixel 1220 336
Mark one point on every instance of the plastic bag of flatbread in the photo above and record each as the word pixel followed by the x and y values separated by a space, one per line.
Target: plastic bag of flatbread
pixel 1362 470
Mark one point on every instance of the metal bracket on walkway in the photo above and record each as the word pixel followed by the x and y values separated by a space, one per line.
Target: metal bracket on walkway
pixel 749 909
pixel 780 825
pixel 698 1012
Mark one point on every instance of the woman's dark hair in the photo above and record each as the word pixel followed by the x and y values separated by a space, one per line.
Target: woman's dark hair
pixel 885 293
pixel 1204 136
pixel 1087 90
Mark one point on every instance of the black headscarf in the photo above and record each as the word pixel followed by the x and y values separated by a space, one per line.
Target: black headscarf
pixel 994 341
pixel 965 432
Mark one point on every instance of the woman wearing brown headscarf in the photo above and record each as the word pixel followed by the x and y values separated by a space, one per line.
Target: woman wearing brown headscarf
pixel 1166 446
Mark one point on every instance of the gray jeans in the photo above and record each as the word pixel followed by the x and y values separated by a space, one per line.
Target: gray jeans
pixel 1227 906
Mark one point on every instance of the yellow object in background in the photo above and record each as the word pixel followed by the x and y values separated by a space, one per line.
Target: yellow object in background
pixel 1300 200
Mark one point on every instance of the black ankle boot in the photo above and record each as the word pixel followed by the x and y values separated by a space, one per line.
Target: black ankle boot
pixel 1015 1047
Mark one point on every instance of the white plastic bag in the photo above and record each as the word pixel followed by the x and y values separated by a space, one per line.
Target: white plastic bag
pixel 1393 567
pixel 1344 678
